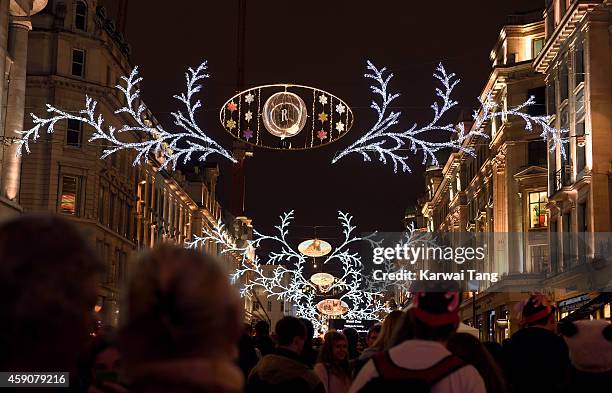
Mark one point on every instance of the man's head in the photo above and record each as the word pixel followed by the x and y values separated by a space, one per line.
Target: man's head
pixel 436 311
pixel 291 334
pixel 373 334
pixel 262 329
pixel 537 311
pixel 48 272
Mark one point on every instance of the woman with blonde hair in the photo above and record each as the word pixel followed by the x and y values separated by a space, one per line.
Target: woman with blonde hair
pixel 332 366
pixel 181 324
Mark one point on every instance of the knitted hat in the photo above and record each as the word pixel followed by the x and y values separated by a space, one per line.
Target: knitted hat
pixel 437 308
pixel 535 308
pixel 589 343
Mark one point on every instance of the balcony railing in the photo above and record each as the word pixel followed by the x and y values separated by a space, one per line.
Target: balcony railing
pixel 563 177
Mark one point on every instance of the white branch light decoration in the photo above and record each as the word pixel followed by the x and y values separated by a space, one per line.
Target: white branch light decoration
pixel 287 281
pixel 190 141
pixel 384 141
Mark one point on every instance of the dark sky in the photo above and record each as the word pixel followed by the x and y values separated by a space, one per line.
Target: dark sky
pixel 323 44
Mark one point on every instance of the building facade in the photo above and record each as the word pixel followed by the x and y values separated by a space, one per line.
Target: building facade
pixel 501 189
pixel 76 50
pixel 577 63
pixel 15 26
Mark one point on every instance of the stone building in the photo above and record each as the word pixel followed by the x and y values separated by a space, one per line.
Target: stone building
pixel 15 26
pixel 576 60
pixel 502 188
pixel 76 50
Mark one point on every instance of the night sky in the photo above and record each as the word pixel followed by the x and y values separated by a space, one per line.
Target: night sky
pixel 323 44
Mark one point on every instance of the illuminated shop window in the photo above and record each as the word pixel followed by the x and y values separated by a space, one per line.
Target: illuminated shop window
pixel 537 210
pixel 69 195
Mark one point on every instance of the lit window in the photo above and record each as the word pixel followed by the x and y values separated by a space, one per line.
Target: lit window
pixel 80 16
pixel 537 209
pixel 78 62
pixel 69 195
pixel 74 130
pixel 536 46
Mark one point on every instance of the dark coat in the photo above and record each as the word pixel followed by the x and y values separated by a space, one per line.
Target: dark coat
pixel 283 371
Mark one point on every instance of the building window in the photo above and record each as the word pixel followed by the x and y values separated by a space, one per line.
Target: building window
pixel 537 209
pixel 551 98
pixel 78 63
pixel 536 46
pixel 539 107
pixel 80 16
pixel 536 153
pixel 102 203
pixel 579 63
pixel 74 132
pixel 563 81
pixel 69 195
pixel 539 258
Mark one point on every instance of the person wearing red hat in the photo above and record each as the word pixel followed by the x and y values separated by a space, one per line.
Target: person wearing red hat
pixel 424 363
pixel 536 358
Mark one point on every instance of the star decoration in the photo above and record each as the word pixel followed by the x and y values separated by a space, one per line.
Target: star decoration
pixel 232 106
pixel 249 98
pixel 248 116
pixel 322 117
pixel 340 126
pixel 340 108
pixel 322 134
pixel 323 99
pixel 248 134
pixel 231 124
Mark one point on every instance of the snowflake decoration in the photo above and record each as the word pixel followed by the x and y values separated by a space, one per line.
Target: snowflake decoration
pixel 249 98
pixel 231 124
pixel 248 116
pixel 232 106
pixel 323 99
pixel 149 139
pixel 340 126
pixel 322 117
pixel 248 134
pixel 340 108
pixel 384 141
pixel 322 134
pixel 287 282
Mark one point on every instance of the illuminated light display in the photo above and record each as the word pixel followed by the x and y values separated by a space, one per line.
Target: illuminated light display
pixel 332 307
pixel 388 143
pixel 323 281
pixel 314 248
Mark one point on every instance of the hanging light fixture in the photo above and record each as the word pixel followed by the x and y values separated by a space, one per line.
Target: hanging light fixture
pixel 314 248
pixel 323 281
pixel 332 307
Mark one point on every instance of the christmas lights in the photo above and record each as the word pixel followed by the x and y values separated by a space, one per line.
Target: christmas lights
pixel 287 280
pixel 384 141
pixel 151 139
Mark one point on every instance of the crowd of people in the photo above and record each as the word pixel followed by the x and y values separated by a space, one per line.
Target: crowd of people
pixel 181 330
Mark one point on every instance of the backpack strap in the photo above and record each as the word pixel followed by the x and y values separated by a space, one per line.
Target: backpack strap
pixel 387 369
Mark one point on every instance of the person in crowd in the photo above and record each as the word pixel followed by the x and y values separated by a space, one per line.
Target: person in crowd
pixel 283 370
pixel 309 354
pixel 262 340
pixel 590 349
pixel 496 350
pixel 181 324
pixel 382 342
pixel 472 351
pixel 332 365
pixel 373 333
pixel 48 276
pixel 101 365
pixel 247 353
pixel 404 330
pixel 536 350
pixel 424 363
pixel 353 342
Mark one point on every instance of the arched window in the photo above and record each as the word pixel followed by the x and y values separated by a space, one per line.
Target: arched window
pixel 80 16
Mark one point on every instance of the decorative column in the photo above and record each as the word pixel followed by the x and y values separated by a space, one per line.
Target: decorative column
pixel 18 49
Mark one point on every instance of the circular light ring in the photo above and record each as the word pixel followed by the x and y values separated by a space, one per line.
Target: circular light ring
pixel 284 107
pixel 325 117
pixel 314 248
pixel 332 307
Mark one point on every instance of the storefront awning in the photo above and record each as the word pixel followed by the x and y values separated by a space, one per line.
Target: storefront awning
pixel 588 308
